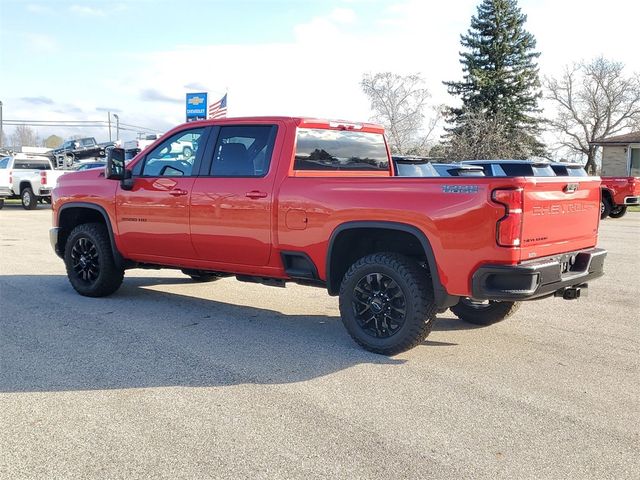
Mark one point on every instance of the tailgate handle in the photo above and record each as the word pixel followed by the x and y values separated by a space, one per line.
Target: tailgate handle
pixel 256 194
pixel 571 187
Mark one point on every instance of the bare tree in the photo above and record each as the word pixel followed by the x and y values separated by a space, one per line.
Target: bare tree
pixel 399 103
pixel 594 100
pixel 23 135
pixel 485 136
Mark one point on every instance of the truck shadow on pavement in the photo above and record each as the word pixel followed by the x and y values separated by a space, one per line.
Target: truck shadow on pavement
pixel 52 339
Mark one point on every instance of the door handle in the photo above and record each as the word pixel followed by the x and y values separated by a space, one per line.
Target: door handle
pixel 178 192
pixel 256 194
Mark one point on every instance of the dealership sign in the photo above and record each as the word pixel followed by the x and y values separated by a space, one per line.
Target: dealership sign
pixel 196 106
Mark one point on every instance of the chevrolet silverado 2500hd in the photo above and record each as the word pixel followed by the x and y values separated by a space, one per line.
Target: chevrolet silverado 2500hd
pixel 281 199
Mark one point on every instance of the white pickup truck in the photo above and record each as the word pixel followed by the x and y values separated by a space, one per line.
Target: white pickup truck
pixel 133 147
pixel 28 177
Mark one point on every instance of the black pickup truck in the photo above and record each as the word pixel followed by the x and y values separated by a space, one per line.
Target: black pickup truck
pixel 79 149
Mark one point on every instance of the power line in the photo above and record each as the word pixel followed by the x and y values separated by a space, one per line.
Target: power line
pixel 78 123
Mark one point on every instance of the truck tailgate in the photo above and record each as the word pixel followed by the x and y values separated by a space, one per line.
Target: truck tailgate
pixel 560 215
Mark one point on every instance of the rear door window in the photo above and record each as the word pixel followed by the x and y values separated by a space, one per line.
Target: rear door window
pixel 338 150
pixel 4 162
pixel 243 151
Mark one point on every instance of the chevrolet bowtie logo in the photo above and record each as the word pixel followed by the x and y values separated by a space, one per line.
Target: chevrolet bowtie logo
pixel 195 101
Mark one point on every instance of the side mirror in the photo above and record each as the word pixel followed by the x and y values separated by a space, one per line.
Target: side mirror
pixel 115 164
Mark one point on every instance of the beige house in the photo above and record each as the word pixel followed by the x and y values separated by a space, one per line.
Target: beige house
pixel 620 155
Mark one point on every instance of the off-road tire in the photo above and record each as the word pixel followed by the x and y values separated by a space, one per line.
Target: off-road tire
pixel 109 277
pixel 605 207
pixel 201 277
pixel 413 282
pixel 29 199
pixel 493 312
pixel 618 211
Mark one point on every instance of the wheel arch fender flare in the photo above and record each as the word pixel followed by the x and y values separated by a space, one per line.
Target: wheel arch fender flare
pixel 121 262
pixel 442 298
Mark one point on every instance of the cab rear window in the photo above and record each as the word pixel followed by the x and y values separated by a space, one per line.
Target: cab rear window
pixel 31 165
pixel 339 150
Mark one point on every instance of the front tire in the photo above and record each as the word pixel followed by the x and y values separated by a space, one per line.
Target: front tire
pixel 386 303
pixel 29 200
pixel 88 257
pixel 484 313
pixel 618 211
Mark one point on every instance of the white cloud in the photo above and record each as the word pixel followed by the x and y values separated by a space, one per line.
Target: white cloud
pixel 343 15
pixel 40 43
pixel 87 11
pixel 39 9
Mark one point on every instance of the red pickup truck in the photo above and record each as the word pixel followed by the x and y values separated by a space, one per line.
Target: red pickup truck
pixel 280 199
pixel 617 194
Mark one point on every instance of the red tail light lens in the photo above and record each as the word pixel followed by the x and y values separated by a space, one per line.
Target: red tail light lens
pixel 509 227
pixel 43 178
pixel 10 177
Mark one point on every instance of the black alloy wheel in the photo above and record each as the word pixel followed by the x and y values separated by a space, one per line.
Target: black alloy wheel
pixel 386 302
pixel 85 260
pixel 618 211
pixel 379 305
pixel 89 260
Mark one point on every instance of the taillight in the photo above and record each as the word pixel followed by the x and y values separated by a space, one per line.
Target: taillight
pixel 509 227
pixel 43 177
pixel 10 177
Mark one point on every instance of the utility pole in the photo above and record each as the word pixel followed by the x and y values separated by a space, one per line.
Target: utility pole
pixel 117 126
pixel 109 120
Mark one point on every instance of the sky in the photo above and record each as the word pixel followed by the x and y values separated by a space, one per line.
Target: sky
pixel 79 60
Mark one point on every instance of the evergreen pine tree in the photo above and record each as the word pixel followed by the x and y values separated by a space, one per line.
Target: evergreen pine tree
pixel 500 79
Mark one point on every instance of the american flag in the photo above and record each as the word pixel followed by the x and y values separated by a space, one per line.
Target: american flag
pixel 218 109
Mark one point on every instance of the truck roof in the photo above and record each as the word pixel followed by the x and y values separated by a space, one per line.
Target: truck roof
pixel 304 122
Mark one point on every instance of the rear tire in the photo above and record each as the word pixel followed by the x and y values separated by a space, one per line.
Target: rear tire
pixel 605 208
pixel 386 303
pixel 484 314
pixel 29 200
pixel 1 203
pixel 88 257
pixel 618 211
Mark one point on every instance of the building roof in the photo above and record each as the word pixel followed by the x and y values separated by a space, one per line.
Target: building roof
pixel 633 137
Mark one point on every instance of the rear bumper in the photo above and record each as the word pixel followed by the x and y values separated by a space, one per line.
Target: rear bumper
pixel 5 192
pixel 538 278
pixel 632 200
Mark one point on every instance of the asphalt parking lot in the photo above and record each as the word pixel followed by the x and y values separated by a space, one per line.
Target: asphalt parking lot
pixel 171 379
